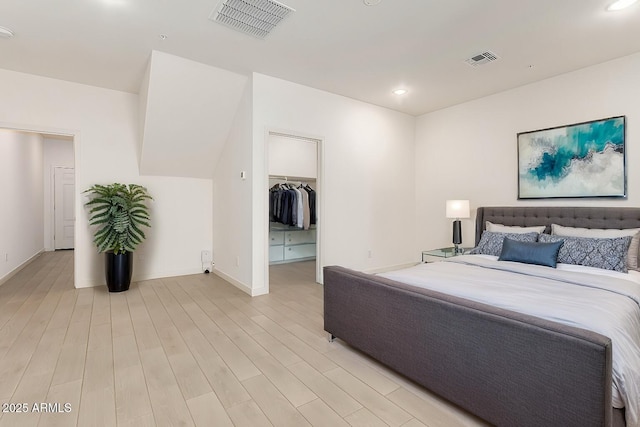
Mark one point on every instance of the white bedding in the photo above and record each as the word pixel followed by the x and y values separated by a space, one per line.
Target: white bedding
pixel 601 301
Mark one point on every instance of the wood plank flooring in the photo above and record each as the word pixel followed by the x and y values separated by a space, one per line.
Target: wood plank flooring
pixel 190 351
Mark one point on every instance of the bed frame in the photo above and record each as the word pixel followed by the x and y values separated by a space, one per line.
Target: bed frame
pixel 507 368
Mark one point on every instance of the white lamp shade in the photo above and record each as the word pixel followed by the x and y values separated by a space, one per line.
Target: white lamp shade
pixel 458 209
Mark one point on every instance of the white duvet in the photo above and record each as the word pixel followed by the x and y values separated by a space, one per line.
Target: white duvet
pixel 605 302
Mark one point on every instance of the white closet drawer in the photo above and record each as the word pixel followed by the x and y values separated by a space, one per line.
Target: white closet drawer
pixel 276 238
pixel 298 237
pixel 276 253
pixel 300 251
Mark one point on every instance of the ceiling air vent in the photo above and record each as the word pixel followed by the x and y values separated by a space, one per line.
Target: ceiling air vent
pixel 254 17
pixel 482 58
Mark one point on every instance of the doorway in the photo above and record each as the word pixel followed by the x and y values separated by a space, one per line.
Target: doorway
pixel 59 191
pixel 293 165
pixel 33 155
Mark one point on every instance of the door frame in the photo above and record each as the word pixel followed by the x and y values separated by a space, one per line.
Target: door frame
pixel 74 134
pixel 319 197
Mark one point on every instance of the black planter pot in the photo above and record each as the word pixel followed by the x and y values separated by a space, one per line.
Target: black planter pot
pixel 118 269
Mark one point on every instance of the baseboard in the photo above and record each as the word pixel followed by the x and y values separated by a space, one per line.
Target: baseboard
pixel 92 283
pixel 87 284
pixel 390 268
pixel 259 291
pixel 163 274
pixel 238 284
pixel 16 270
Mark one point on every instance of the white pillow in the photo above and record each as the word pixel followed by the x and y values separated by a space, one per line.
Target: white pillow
pixel 605 233
pixel 499 228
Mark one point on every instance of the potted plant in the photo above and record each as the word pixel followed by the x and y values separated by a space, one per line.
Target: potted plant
pixel 120 212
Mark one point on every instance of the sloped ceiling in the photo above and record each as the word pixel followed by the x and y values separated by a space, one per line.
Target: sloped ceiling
pixel 187 109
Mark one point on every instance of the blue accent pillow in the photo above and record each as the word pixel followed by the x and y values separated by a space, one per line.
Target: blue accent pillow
pixel 531 252
pixel 608 254
pixel 491 242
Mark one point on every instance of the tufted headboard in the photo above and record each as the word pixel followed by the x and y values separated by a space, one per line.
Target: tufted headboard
pixel 587 217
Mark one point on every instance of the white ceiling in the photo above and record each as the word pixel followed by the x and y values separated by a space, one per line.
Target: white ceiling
pixel 341 46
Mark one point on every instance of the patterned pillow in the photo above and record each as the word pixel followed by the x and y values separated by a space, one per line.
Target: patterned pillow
pixel 491 241
pixel 632 256
pixel 608 254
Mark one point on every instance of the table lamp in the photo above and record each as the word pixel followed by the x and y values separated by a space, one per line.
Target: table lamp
pixel 457 209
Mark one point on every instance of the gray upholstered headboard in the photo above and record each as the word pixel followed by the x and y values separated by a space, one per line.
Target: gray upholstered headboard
pixel 587 217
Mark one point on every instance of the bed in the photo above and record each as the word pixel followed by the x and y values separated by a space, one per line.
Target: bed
pixel 507 367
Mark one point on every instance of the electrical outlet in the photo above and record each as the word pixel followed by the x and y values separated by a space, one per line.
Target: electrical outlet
pixel 6 257
pixel 238 261
pixel 370 253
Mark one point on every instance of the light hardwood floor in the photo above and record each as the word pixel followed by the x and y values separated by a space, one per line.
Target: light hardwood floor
pixel 190 350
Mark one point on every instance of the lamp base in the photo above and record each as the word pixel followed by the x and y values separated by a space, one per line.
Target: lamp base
pixel 457 233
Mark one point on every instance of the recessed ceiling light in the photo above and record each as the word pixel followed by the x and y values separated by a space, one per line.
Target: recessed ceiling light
pixel 400 91
pixel 371 2
pixel 6 33
pixel 163 37
pixel 620 4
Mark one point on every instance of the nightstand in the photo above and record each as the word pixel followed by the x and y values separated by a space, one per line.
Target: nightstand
pixel 442 253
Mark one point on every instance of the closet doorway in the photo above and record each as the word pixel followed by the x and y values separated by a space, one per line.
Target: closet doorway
pixel 294 220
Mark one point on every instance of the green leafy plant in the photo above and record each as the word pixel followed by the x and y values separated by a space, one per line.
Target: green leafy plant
pixel 120 212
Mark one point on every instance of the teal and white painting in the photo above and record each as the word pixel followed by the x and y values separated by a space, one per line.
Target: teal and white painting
pixel 580 160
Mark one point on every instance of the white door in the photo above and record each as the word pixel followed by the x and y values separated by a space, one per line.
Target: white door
pixel 64 208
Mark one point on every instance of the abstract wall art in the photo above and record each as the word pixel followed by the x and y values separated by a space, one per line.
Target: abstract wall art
pixel 580 160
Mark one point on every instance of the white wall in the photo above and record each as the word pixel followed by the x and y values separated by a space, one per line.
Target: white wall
pixel 105 128
pixel 384 183
pixel 469 151
pixel 188 111
pixel 181 227
pixel 232 201
pixel 57 153
pixel 21 193
pixel 367 182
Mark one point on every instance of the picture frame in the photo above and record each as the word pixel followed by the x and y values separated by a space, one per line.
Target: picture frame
pixel 581 160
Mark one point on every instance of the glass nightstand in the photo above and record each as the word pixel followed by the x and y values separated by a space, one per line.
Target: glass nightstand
pixel 443 253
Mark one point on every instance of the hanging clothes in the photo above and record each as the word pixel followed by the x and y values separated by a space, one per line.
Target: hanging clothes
pixel 299 209
pixel 306 219
pixel 312 204
pixel 286 212
pixel 292 206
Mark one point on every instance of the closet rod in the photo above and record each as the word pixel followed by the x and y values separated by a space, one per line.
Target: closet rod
pixel 292 178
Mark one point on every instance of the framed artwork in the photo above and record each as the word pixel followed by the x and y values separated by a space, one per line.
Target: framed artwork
pixel 580 160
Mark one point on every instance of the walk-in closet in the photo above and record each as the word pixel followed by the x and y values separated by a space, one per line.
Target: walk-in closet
pixel 293 207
